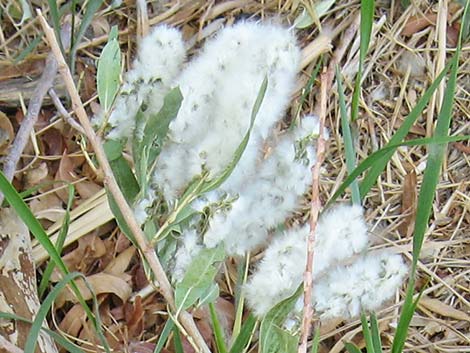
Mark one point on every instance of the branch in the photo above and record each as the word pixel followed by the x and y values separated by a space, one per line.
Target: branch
pixel 111 184
pixel 34 106
pixel 314 212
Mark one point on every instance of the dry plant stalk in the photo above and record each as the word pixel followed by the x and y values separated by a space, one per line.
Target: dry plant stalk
pixel 195 337
pixel 45 83
pixel 314 213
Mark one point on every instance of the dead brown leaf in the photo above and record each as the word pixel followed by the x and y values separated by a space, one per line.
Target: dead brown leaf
pixel 6 132
pixel 101 283
pixel 120 263
pixel 446 310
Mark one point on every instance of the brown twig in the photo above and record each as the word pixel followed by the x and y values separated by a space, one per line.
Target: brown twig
pixel 111 184
pixel 34 106
pixel 314 212
pixel 62 111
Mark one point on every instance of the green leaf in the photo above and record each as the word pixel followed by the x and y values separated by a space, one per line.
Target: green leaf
pixel 428 190
pixel 55 16
pixel 156 128
pixel 109 71
pixel 91 8
pixel 352 348
pixel 315 341
pixel 64 229
pixel 15 200
pixel 64 342
pixel 376 340
pixel 304 20
pixel 29 49
pixel 367 334
pixel 367 20
pixel 198 278
pixel 348 141
pixel 219 180
pixel 177 340
pixel 371 178
pixel 272 338
pixel 121 170
pixel 164 335
pixel 375 157
pixel 218 330
pixel 243 339
pixel 46 305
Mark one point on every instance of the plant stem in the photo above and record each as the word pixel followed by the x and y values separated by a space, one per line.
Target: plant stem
pixel 314 212
pixel 110 182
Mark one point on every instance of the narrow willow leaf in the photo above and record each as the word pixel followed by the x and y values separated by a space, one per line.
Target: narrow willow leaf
pixel 121 170
pixel 218 330
pixel 243 339
pixel 271 337
pixel 109 71
pixel 350 153
pixel 215 183
pixel 198 278
pixel 154 132
pixel 125 179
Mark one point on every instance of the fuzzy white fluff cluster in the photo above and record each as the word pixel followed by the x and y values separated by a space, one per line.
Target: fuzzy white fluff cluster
pixel 220 87
pixel 343 285
pixel 159 59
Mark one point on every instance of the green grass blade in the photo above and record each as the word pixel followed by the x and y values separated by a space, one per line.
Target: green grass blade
pixel 91 8
pixel 164 335
pixel 367 20
pixel 428 189
pixel 306 91
pixel 367 334
pixel 55 16
pixel 315 341
pixel 351 348
pixel 28 50
pixel 243 339
pixel 371 178
pixel 64 342
pixel 348 141
pixel 15 200
pixel 33 334
pixel 218 330
pixel 64 229
pixel 375 158
pixel 177 340
pixel 377 342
